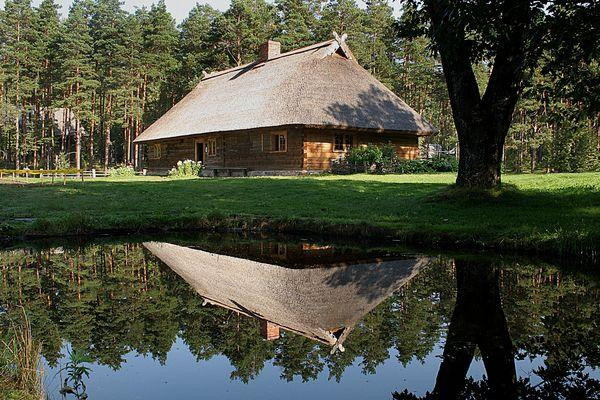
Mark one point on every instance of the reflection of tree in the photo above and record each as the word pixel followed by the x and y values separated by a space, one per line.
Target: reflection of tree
pixel 298 356
pixel 478 320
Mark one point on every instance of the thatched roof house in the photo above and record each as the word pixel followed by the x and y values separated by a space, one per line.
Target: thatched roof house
pixel 322 303
pixel 292 112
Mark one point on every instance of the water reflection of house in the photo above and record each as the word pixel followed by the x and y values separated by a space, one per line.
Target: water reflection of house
pixel 323 302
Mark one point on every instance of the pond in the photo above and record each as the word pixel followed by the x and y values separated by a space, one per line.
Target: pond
pixel 235 316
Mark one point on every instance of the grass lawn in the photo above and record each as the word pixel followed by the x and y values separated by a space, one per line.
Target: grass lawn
pixel 559 213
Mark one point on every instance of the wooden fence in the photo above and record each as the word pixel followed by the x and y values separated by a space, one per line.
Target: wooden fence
pixel 55 174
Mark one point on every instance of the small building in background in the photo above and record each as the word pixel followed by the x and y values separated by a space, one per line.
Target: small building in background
pixel 286 113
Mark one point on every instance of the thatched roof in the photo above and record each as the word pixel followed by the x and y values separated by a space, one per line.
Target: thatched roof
pixel 319 85
pixel 323 304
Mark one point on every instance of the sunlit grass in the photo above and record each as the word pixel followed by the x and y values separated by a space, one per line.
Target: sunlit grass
pixel 534 212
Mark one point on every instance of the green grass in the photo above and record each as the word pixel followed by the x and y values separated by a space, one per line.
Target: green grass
pixel 544 213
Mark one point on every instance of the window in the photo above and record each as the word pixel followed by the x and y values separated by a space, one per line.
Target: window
pixel 155 152
pixel 275 142
pixel 342 142
pixel 280 142
pixel 212 147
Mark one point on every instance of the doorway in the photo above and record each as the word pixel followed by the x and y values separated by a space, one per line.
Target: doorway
pixel 200 152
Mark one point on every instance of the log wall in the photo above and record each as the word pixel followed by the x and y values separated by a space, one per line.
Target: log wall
pixel 308 149
pixel 172 151
pixel 319 146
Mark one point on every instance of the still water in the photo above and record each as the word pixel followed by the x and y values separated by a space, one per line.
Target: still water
pixel 229 317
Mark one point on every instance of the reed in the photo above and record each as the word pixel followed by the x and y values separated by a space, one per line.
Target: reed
pixel 21 368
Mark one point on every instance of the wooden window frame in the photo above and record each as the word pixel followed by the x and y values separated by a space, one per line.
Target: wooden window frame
pixel 275 137
pixel 347 142
pixel 211 147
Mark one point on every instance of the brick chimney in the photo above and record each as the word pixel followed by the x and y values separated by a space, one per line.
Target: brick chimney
pixel 269 50
pixel 269 330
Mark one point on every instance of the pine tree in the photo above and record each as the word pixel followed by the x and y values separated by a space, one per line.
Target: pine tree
pixel 78 75
pixel 296 23
pixel 343 17
pixel 243 28
pixel 160 37
pixel 196 52
pixel 46 31
pixel 110 54
pixel 378 53
pixel 132 97
pixel 19 69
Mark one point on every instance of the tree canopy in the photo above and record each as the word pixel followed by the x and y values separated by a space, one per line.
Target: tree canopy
pixel 81 88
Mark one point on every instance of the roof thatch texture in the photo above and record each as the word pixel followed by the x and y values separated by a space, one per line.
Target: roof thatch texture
pixel 319 85
pixel 314 302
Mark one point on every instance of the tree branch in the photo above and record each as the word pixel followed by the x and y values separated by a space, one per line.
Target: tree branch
pixel 505 80
pixel 449 33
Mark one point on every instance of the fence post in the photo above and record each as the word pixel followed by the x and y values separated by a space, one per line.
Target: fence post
pixel 93 173
pixel 64 176
pixel 144 172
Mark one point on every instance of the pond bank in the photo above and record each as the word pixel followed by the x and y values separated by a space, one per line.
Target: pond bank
pixel 555 215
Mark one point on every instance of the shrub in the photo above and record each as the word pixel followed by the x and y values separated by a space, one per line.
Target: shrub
pixel 121 172
pixel 62 162
pixel 187 168
pixel 365 158
pixel 384 160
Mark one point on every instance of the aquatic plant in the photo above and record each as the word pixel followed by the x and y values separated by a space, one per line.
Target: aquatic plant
pixel 21 368
pixel 76 371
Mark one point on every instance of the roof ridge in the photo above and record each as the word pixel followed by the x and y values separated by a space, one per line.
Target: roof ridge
pixel 282 55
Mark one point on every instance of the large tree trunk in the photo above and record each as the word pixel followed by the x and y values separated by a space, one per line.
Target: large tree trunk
pixel 481 150
pixel 482 121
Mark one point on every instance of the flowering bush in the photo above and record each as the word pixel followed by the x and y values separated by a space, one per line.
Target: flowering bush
pixel 186 168
pixel 121 172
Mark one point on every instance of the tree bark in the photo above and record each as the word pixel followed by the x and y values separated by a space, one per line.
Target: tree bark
pixel 92 130
pixel 481 152
pixel 107 126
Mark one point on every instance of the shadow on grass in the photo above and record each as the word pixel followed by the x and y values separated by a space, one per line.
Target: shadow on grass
pixel 512 217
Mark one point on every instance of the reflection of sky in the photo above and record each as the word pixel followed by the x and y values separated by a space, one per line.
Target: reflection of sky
pixel 183 377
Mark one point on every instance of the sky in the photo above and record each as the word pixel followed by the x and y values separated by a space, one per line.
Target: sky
pixel 178 8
